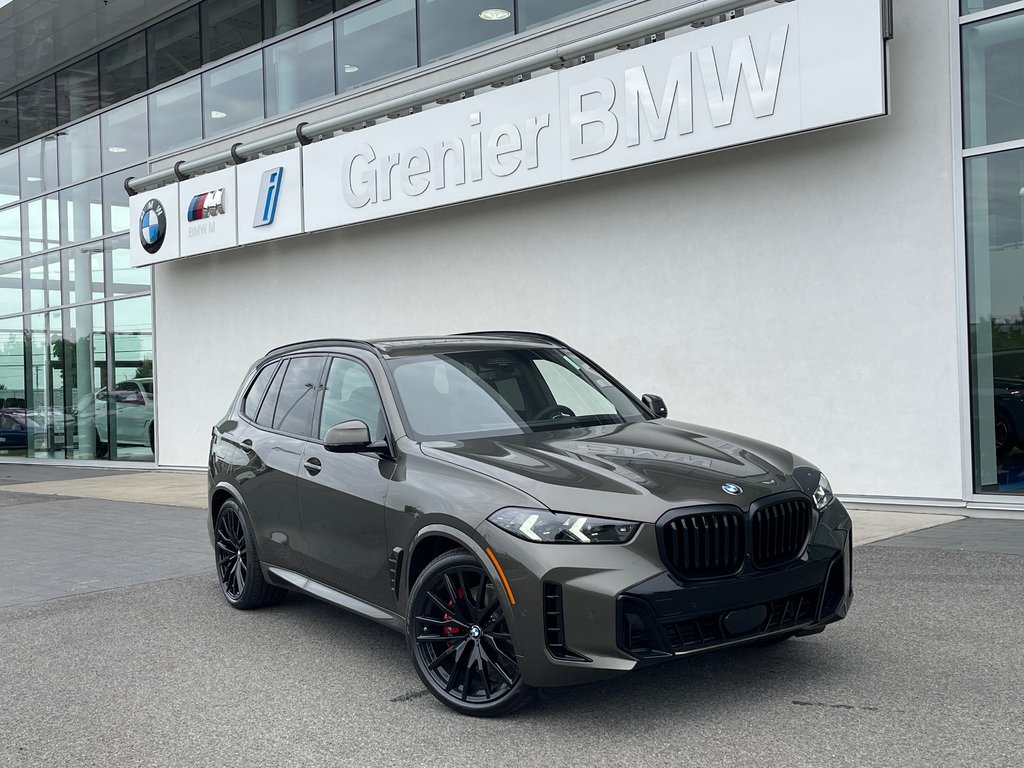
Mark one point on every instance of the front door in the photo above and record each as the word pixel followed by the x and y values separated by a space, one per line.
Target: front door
pixel 341 495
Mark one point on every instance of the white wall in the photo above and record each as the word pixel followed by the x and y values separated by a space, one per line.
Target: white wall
pixel 801 291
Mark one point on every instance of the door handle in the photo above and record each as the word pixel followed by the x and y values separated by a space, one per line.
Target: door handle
pixel 313 466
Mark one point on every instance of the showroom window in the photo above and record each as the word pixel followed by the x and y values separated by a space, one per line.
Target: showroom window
pixel 174 47
pixel 992 57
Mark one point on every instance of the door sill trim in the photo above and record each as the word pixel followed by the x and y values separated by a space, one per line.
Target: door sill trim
pixel 329 594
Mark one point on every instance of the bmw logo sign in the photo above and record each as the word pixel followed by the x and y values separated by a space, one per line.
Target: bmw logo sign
pixel 732 488
pixel 152 226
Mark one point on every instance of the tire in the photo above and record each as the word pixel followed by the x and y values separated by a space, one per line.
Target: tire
pixel 152 441
pixel 459 639
pixel 238 564
pixel 101 447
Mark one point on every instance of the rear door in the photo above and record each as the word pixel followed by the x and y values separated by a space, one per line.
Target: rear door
pixel 280 404
pixel 341 495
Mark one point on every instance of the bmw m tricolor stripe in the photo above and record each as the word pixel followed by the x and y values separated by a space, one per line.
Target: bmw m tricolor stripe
pixel 206 205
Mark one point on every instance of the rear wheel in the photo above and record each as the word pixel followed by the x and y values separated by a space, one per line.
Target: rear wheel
pixel 460 641
pixel 238 564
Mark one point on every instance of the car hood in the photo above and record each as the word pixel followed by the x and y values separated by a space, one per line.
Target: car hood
pixel 632 471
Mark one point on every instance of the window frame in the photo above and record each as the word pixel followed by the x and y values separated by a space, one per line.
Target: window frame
pixel 325 373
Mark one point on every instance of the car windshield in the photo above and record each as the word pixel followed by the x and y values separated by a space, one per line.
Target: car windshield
pixel 505 391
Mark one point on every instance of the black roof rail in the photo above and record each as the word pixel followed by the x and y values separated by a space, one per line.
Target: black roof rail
pixel 516 335
pixel 300 345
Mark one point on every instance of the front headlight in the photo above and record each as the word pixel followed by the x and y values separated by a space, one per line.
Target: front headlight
pixel 546 527
pixel 823 493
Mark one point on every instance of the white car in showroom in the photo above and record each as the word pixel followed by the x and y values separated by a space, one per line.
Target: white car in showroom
pixel 131 402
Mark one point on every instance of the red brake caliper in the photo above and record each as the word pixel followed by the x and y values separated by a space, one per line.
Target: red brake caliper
pixel 452 631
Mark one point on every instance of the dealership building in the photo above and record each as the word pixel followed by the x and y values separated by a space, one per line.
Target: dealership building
pixel 802 221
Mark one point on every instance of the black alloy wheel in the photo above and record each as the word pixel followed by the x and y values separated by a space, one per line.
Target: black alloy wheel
pixel 238 565
pixel 460 641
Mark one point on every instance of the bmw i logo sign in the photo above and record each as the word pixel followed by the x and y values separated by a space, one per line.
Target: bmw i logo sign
pixel 732 489
pixel 152 226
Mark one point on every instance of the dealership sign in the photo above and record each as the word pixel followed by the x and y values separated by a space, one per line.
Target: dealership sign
pixel 801 66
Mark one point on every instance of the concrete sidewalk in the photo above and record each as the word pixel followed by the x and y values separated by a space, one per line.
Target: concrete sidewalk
pixel 188 489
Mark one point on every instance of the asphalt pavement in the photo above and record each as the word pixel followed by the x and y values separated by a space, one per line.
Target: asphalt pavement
pixel 154 669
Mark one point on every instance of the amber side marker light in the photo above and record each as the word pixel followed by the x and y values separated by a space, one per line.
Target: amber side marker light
pixel 508 589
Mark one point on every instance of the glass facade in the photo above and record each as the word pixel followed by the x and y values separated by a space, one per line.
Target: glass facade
pixel 992 57
pixel 367 41
pixel 76 337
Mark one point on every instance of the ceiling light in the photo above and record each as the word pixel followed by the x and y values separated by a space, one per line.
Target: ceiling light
pixel 33 178
pixel 495 14
pixel 216 114
pixel 350 68
pixel 117 149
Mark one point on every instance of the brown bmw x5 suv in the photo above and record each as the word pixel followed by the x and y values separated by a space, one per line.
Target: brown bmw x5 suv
pixel 525 520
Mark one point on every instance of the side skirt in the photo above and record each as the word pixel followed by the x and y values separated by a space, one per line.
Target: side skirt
pixel 322 591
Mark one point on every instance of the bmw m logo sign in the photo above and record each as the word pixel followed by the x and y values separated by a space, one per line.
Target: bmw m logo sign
pixel 152 226
pixel 206 205
pixel 732 489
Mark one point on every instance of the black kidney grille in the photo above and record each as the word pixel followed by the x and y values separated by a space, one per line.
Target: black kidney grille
pixel 705 545
pixel 779 531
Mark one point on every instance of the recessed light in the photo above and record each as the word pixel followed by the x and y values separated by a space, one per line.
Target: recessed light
pixel 117 149
pixel 495 14
pixel 33 178
pixel 350 68
pixel 217 114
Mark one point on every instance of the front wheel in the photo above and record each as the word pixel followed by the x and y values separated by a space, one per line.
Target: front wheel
pixel 460 641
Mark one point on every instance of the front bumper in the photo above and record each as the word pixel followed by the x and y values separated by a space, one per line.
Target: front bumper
pixel 585 613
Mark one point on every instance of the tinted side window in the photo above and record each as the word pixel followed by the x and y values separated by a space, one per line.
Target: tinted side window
pixel 265 418
pixel 254 396
pixel 351 394
pixel 298 395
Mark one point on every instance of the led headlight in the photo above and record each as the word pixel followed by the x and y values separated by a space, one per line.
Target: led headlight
pixel 546 527
pixel 823 493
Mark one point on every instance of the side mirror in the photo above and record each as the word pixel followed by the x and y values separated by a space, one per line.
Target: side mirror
pixel 348 437
pixel 656 405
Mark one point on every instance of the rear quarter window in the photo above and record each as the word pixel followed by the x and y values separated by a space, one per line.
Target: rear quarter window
pixel 253 398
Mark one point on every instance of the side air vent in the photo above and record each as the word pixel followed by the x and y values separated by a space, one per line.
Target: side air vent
pixel 554 629
pixel 395 568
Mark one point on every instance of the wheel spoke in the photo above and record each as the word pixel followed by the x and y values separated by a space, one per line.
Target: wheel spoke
pixel 504 655
pixel 441 622
pixel 437 638
pixel 460 654
pixel 441 658
pixel 489 612
pixel 483 673
pixel 467 678
pixel 226 548
pixel 442 604
pixel 468 604
pixel 496 665
pixel 239 577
